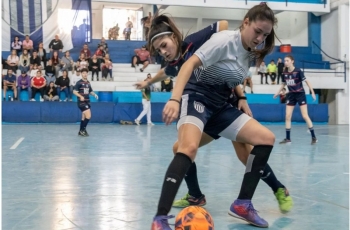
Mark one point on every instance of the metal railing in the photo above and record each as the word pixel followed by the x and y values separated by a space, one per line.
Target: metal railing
pixel 338 61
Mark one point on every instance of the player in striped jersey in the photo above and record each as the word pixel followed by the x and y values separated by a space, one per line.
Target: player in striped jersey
pixel 294 78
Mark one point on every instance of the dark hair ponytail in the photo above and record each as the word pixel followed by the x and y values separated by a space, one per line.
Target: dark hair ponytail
pixel 264 13
pixel 161 24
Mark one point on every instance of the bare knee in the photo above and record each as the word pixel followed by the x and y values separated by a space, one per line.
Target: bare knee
pixel 175 147
pixel 188 149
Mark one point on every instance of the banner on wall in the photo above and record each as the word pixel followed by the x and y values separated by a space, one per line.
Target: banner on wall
pixel 43 19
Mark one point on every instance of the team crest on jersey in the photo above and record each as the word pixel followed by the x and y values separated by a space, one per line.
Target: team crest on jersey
pixel 198 106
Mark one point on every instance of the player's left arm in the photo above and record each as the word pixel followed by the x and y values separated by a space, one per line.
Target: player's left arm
pixel 92 92
pixel 303 78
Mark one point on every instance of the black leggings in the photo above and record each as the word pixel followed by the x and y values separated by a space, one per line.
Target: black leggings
pixel 93 71
pixel 35 90
pixel 273 77
pixel 279 75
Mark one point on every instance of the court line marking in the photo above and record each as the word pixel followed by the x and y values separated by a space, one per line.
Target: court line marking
pixel 15 145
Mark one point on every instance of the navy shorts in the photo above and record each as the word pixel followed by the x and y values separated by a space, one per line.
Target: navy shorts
pixel 294 98
pixel 225 121
pixel 84 106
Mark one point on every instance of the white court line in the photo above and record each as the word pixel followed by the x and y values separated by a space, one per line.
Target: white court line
pixel 346 173
pixel 15 145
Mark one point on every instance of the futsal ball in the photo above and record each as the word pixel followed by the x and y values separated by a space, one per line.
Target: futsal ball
pixel 194 218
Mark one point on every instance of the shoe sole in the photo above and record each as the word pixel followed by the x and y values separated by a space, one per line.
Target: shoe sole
pixel 185 206
pixel 239 217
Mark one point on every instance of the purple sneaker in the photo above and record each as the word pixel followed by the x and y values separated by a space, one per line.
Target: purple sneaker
pixel 244 209
pixel 161 223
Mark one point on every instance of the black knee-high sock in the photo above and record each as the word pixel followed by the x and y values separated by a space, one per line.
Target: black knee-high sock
pixel 270 179
pixel 85 123
pixel 256 163
pixel 192 181
pixel 81 125
pixel 172 181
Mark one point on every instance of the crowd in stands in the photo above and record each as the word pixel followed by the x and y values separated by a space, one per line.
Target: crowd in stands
pixel 48 73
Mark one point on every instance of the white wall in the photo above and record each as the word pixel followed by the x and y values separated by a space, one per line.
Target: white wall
pixel 97 22
pixel 291 29
pixel 335 42
pixel 329 32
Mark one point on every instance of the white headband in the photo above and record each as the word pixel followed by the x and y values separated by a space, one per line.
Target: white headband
pixel 160 34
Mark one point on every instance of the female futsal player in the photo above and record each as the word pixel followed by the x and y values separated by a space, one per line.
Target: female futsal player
pixel 205 94
pixel 293 78
pixel 82 90
pixel 196 197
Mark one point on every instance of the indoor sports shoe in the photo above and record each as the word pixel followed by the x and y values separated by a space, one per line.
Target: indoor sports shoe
pixel 161 223
pixel 81 133
pixel 286 141
pixel 137 122
pixel 314 140
pixel 86 133
pixel 189 200
pixel 285 201
pixel 243 209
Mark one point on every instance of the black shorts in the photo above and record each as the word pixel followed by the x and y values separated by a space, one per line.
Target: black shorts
pixel 84 106
pixel 294 98
pixel 216 122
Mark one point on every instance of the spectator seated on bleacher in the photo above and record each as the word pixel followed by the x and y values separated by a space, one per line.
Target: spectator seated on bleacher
pixel 95 66
pixel 86 51
pixel 67 62
pixel 51 92
pixel 107 68
pixel 262 72
pixel 272 71
pixel 73 80
pixel 56 44
pixel 24 61
pixel 50 72
pixel 63 85
pixel 42 55
pixel 10 81
pixel 16 45
pixel 103 44
pixel 12 61
pixel 27 44
pixel 142 56
pixel 35 60
pixel 56 62
pixel 82 62
pixel 38 84
pixel 167 85
pixel 100 52
pixel 23 83
pixel 33 71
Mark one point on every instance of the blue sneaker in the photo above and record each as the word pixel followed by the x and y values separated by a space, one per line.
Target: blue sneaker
pixel 243 209
pixel 161 223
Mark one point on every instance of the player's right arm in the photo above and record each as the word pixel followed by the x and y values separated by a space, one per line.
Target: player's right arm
pixel 279 90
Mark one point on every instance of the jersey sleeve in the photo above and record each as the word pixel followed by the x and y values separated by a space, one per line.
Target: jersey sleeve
pixel 170 71
pixel 90 88
pixel 77 86
pixel 301 75
pixel 216 49
pixel 200 37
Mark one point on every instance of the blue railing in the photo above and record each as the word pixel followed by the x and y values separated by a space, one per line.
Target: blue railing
pixel 338 61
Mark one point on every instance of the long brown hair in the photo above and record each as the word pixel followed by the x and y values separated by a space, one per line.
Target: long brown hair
pixel 263 13
pixel 161 24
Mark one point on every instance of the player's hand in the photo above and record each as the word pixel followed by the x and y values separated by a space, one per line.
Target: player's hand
pixel 171 112
pixel 141 85
pixel 275 96
pixel 96 96
pixel 313 96
pixel 243 105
